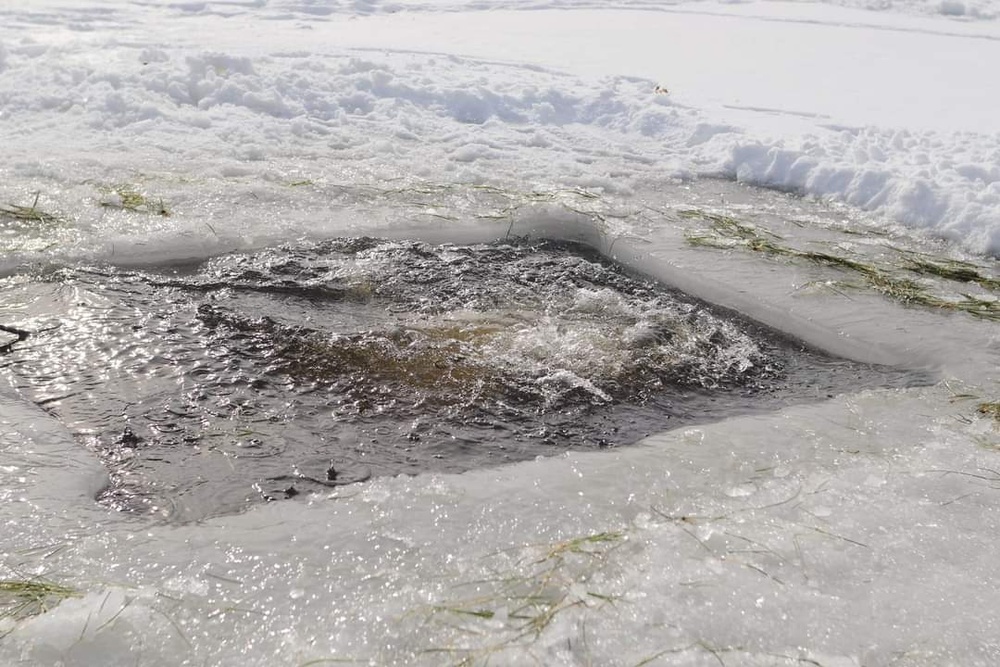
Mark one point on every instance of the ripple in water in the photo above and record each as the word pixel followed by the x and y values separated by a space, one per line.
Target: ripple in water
pixel 262 376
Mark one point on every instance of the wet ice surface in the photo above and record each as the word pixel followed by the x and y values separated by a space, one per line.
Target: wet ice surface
pixel 856 530
pixel 263 376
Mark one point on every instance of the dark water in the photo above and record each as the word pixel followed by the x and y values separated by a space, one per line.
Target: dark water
pixel 263 376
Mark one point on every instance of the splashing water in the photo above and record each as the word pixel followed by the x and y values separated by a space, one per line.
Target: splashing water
pixel 260 376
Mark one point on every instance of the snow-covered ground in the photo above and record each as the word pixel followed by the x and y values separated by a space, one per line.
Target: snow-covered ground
pixel 861 531
pixel 894 114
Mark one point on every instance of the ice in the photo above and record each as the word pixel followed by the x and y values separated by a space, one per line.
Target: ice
pixel 819 533
pixel 630 561
pixel 861 530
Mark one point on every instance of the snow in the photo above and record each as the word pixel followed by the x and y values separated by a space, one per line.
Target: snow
pixel 859 531
pixel 889 113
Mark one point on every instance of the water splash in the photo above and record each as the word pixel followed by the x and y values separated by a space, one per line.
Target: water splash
pixel 250 377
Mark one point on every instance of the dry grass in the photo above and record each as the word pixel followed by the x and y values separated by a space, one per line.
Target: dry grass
pixel 127 198
pixel 949 269
pixel 990 409
pixel 27 213
pixel 20 598
pixel 725 232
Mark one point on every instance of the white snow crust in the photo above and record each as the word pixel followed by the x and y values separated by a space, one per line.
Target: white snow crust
pixel 862 531
pixel 889 112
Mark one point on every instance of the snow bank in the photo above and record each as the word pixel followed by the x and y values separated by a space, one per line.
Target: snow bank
pixel 314 96
pixel 954 193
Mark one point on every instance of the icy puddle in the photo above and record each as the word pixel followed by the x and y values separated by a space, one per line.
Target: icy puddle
pixel 254 377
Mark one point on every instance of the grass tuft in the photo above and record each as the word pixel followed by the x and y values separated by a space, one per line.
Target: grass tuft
pixel 20 598
pixel 126 198
pixel 27 213
pixel 990 409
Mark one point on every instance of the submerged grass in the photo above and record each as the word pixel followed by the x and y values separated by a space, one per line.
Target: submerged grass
pixel 551 580
pixel 514 610
pixel 725 232
pixel 954 270
pixel 725 227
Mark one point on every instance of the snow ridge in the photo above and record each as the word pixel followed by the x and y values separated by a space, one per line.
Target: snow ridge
pixel 955 193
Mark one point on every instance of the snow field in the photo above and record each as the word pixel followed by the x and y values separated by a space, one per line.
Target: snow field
pixel 828 110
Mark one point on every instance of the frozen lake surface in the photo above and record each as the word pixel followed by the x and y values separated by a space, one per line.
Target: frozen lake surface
pixel 150 148
pixel 700 542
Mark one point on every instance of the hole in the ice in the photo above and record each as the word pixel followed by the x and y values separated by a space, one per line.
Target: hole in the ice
pixel 255 377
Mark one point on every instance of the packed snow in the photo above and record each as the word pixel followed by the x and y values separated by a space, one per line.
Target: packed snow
pixel 858 531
